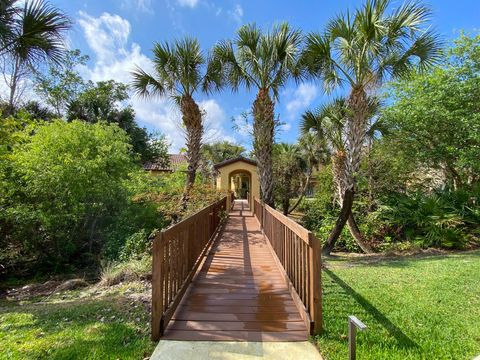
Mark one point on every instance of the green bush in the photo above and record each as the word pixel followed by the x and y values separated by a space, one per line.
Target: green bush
pixel 136 246
pixel 448 219
pixel 71 193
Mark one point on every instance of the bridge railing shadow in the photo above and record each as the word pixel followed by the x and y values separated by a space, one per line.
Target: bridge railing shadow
pixel 402 340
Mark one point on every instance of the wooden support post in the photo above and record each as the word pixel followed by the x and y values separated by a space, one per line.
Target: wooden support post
pixel 316 283
pixel 157 287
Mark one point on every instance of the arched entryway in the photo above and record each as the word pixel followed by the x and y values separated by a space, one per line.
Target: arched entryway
pixel 240 183
pixel 239 175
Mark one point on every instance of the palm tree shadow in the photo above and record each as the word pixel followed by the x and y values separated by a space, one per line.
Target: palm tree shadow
pixel 402 339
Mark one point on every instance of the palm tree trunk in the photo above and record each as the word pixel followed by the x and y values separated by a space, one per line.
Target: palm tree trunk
pixel 302 194
pixel 357 235
pixel 347 203
pixel 338 169
pixel 356 132
pixel 13 87
pixel 192 119
pixel 263 132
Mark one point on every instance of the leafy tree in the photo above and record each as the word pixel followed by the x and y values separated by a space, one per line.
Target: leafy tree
pixel 181 72
pixel 288 169
pixel 62 83
pixel 33 109
pixel 68 185
pixel 361 51
pixel 30 34
pixel 221 151
pixel 102 102
pixel 435 116
pixel 215 153
pixel 265 62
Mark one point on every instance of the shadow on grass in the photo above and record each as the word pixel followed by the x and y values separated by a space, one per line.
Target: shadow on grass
pixel 402 339
pixel 73 331
pixel 399 261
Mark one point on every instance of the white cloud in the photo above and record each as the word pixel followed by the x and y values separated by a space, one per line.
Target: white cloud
pixel 300 99
pixel 215 121
pixel 144 6
pixel 236 13
pixel 115 59
pixel 187 3
pixel 105 34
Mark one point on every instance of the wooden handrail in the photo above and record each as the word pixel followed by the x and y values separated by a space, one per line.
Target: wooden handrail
pixel 177 253
pixel 299 253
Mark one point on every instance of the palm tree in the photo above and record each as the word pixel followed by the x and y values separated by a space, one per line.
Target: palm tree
pixel 289 165
pixel 29 35
pixel 314 153
pixel 181 71
pixel 361 51
pixel 328 124
pixel 264 61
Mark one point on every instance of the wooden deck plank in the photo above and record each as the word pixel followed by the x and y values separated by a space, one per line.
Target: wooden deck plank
pixel 188 335
pixel 240 293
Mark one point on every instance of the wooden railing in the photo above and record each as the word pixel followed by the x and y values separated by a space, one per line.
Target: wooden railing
pixel 177 253
pixel 299 254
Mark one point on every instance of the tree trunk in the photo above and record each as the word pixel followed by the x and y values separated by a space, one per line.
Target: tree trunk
pixel 286 205
pixel 345 211
pixel 13 88
pixel 357 235
pixel 302 194
pixel 192 119
pixel 356 132
pixel 263 134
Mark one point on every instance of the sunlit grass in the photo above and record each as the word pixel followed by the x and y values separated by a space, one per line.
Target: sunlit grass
pixel 109 326
pixel 415 308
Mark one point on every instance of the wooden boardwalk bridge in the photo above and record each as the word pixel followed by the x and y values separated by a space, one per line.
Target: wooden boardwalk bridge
pixel 255 277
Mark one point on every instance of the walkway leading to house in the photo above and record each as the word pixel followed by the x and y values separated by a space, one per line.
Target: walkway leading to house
pixel 239 294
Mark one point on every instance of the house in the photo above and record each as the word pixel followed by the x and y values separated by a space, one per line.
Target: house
pixel 240 176
pixel 176 162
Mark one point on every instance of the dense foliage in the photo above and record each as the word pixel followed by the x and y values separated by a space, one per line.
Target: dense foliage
pixel 418 185
pixel 68 192
pixel 72 194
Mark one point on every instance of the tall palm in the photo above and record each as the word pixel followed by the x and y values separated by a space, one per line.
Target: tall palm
pixel 361 51
pixel 264 61
pixel 30 35
pixel 180 72
pixel 328 124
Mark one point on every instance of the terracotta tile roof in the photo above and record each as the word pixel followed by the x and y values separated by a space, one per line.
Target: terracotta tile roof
pixel 176 161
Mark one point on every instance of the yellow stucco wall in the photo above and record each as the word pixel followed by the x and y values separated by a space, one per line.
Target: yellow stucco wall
pixel 223 177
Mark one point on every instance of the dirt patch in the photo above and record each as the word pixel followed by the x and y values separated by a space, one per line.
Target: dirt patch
pixel 341 259
pixel 44 289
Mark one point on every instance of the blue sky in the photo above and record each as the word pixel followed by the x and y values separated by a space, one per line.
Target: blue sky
pixel 119 34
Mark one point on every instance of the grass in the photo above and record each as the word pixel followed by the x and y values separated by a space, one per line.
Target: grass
pixel 85 324
pixel 414 308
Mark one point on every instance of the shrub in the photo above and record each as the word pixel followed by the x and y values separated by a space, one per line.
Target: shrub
pixel 447 219
pixel 71 190
pixel 116 272
pixel 136 246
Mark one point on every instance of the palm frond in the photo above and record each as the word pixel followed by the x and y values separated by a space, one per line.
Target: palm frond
pixel 145 84
pixel 39 32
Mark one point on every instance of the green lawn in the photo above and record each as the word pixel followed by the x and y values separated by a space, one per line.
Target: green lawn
pixel 415 308
pixel 77 325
